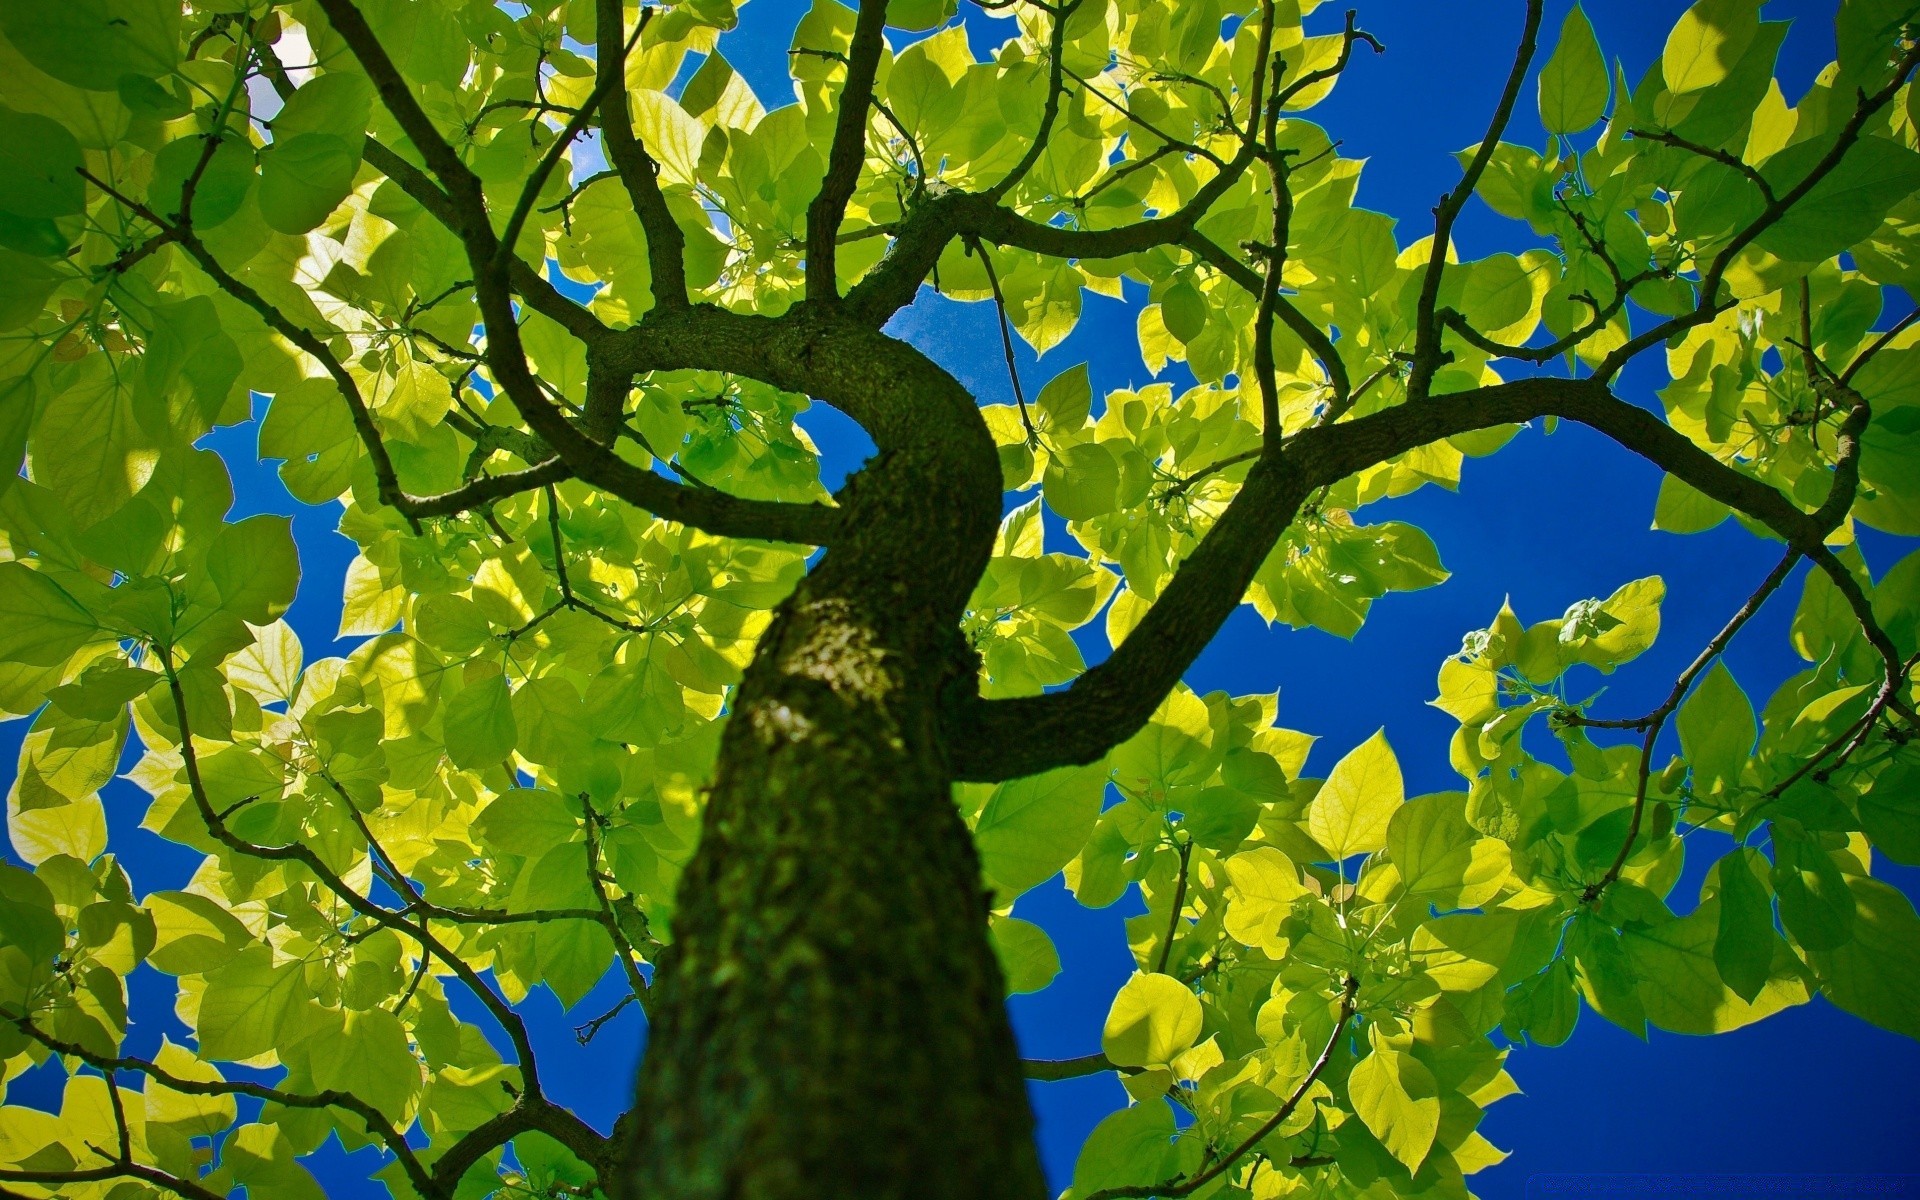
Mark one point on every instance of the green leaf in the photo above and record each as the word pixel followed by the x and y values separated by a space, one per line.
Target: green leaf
pixel 193 934
pixel 39 622
pixel 1717 729
pixel 309 425
pixel 256 567
pixel 40 161
pixel 1707 41
pixel 249 1004
pixel 527 822
pixel 1264 884
pixel 1744 943
pixel 1395 1096
pixel 1682 509
pixel 337 103
pixel 1066 400
pixel 1443 860
pixel 1678 980
pixel 25 285
pixel 93 43
pixel 304 178
pixel 1082 481
pixel 1028 961
pixel 920 14
pixel 1353 808
pixel 1876 975
pixel 1545 1007
pixel 1816 905
pixel 1183 311
pixel 222 186
pixel 1574 84
pixel 1154 1019
pixel 371 1060
pixel 1890 813
pixel 478 722
pixel 1126 1149
pixel 1847 204
pixel 1032 827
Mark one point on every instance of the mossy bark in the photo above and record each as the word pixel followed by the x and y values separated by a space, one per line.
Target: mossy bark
pixel 830 1021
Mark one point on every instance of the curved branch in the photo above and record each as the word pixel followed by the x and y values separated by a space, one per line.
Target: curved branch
pixel 1006 739
pixel 306 856
pixel 639 173
pixel 847 154
pixel 1709 304
pixel 376 1123
pixel 462 186
pixel 1173 1189
pixel 1427 356
pixel 1056 66
pixel 529 1115
pixel 1321 346
pixel 1052 1070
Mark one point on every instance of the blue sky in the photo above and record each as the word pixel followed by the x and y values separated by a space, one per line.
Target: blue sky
pixel 1550 520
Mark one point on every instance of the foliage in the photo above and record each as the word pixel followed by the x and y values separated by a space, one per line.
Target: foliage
pixel 567 557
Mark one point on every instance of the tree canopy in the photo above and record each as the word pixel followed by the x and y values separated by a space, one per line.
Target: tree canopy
pixel 557 403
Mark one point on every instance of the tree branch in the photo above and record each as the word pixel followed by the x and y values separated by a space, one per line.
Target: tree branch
pixel 1709 304
pixel 848 152
pixel 1177 1187
pixel 1007 739
pixel 639 173
pixel 1427 355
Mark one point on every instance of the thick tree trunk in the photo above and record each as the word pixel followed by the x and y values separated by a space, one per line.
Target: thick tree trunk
pixel 830 1020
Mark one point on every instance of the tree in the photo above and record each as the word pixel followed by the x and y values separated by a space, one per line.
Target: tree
pixel 637 692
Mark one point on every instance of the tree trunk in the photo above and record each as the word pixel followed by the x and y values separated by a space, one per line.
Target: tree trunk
pixel 830 1020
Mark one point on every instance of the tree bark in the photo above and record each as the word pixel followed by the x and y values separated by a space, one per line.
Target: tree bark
pixel 830 1020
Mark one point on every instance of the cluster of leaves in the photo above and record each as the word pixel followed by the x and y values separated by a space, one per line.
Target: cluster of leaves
pixel 497 788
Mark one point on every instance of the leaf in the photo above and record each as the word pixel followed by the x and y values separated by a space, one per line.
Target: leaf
pixel 1353 808
pixel 1032 827
pixel 478 723
pixel 1707 41
pixel 337 103
pixel 1443 859
pixel 1847 204
pixel 1682 509
pixel 1028 961
pixel 93 43
pixel 1679 985
pixel 190 1115
pixel 309 425
pixel 256 567
pixel 40 160
pixel 304 178
pixel 193 934
pixel 1082 481
pixel 1125 1148
pixel 527 822
pixel 1066 400
pixel 1265 883
pixel 1183 311
pixel 1574 83
pixel 1154 1019
pixel 1816 905
pixel 1395 1096
pixel 25 284
pixel 371 1060
pixel 1743 946
pixel 246 1009
pixel 39 622
pixel 1717 729
pixel 221 188
pixel 1876 975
